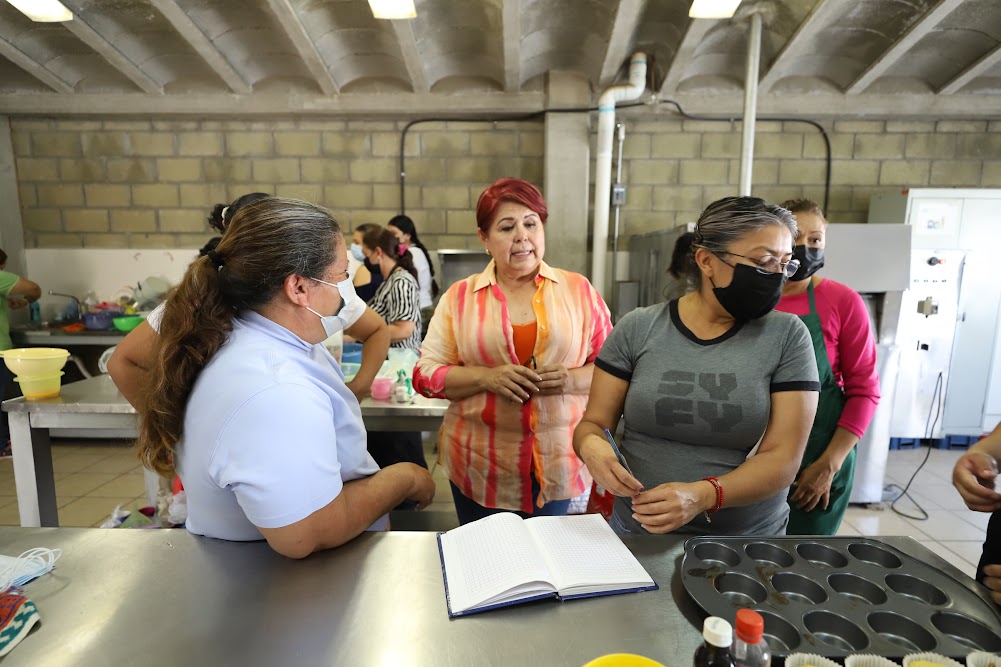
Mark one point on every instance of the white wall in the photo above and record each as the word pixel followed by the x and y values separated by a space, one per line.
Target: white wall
pixel 106 272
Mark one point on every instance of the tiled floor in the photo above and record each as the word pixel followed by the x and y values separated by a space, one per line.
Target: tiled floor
pixel 93 477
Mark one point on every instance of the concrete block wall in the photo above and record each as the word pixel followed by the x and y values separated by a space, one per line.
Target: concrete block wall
pixel 151 184
pixel 674 168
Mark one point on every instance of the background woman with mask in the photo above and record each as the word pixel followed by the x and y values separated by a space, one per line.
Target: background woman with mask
pixel 699 380
pixel 398 298
pixel 133 355
pixel 849 387
pixel 367 277
pixel 250 408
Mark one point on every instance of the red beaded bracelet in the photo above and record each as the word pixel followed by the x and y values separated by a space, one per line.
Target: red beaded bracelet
pixel 719 496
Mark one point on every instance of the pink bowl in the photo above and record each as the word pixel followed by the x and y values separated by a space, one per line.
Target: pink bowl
pixel 382 388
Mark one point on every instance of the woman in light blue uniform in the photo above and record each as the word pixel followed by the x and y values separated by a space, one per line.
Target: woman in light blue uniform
pixel 249 408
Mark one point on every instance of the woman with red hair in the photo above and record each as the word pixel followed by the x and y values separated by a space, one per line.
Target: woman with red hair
pixel 513 348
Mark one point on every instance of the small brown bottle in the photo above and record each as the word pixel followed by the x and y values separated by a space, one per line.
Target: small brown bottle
pixel 715 652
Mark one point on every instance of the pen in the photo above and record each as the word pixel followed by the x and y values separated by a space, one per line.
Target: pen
pixel 615 448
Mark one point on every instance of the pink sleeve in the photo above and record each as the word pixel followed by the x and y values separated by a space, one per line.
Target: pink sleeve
pixel 857 353
pixel 601 324
pixel 439 351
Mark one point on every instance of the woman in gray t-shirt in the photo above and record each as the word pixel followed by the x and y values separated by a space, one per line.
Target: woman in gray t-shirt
pixel 703 379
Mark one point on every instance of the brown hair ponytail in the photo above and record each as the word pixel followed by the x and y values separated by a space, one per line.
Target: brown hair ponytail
pixel 386 241
pixel 265 243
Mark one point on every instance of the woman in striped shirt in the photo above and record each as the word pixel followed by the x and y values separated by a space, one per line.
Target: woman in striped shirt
pixel 398 298
pixel 513 349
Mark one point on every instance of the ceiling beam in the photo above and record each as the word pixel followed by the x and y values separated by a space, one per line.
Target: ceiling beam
pixel 203 46
pixel 404 30
pixel 296 32
pixel 892 55
pixel 977 69
pixel 86 34
pixel 511 34
pixel 697 29
pixel 803 40
pixel 620 40
pixel 406 105
pixel 19 58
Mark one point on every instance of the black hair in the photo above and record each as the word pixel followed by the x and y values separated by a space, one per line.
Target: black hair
pixel 407 226
pixel 682 256
pixel 220 222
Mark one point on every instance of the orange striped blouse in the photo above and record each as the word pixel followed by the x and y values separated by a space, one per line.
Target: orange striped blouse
pixel 488 445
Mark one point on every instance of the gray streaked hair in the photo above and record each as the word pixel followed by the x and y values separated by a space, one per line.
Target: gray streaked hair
pixel 729 219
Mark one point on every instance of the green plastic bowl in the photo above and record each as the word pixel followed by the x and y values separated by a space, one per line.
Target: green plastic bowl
pixel 127 323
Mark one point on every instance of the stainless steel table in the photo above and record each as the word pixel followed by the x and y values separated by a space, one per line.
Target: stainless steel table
pixel 165 597
pixel 96 404
pixel 60 338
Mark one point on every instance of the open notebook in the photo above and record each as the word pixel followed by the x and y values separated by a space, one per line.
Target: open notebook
pixel 504 560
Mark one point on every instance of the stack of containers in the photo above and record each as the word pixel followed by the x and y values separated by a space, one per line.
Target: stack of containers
pixel 37 369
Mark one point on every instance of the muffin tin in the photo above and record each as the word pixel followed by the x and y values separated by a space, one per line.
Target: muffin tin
pixel 837 596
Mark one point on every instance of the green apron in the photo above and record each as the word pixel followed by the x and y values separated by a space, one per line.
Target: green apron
pixel 832 402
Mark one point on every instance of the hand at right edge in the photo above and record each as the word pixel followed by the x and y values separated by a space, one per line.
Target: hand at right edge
pixel 974 476
pixel 603 465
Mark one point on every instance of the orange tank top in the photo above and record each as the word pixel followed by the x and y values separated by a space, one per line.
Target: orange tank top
pixel 524 341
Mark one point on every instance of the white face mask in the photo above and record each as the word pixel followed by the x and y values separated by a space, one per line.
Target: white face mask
pixel 29 565
pixel 334 323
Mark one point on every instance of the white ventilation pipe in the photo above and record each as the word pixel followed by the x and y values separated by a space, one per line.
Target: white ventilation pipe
pixel 750 104
pixel 603 166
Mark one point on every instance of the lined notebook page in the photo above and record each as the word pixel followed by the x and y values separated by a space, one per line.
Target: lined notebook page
pixel 486 558
pixel 583 551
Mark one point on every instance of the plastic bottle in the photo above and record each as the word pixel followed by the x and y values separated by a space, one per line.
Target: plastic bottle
pixel 35 313
pixel 715 652
pixel 749 647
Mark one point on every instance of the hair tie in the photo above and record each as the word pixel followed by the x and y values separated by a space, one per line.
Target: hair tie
pixel 403 249
pixel 215 258
pixel 222 216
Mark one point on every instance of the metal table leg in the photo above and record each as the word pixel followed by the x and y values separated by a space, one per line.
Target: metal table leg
pixel 33 479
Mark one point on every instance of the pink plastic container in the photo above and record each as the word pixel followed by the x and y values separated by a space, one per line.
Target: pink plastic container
pixel 382 389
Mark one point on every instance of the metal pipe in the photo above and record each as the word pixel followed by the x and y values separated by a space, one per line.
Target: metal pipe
pixel 621 129
pixel 603 163
pixel 750 104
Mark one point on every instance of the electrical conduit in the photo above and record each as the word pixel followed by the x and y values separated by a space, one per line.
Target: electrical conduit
pixel 603 167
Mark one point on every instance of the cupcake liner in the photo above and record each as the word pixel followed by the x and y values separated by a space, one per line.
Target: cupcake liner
pixel 866 660
pixel 983 659
pixel 935 658
pixel 810 660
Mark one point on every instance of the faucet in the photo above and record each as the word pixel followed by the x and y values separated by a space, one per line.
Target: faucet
pixel 68 296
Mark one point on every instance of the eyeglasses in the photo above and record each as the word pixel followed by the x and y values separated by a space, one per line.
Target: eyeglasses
pixel 770 265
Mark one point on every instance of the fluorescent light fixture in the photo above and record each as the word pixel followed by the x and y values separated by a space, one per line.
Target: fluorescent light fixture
pixel 43 11
pixel 393 9
pixel 711 9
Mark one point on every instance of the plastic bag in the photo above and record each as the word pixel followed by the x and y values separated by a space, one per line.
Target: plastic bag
pixel 118 515
pixel 177 512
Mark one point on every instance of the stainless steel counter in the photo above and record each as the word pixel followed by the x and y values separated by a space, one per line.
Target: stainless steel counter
pixel 165 597
pixel 59 338
pixel 95 403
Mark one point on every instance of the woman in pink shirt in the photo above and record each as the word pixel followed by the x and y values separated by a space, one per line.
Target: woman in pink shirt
pixel 846 358
pixel 513 348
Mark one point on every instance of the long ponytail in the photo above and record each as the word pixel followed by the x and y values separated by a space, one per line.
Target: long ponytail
pixel 264 243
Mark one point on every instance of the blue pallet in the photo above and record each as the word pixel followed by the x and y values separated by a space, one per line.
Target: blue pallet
pixel 905 443
pixel 956 441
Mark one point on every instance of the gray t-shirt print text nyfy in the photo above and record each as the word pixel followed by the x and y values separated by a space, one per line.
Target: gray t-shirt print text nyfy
pixel 695 408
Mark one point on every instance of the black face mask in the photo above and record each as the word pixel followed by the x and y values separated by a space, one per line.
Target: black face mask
pixel 751 294
pixel 810 259
pixel 372 268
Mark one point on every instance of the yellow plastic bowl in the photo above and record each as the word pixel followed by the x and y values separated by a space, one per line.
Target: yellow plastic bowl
pixel 35 388
pixel 623 660
pixel 35 361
